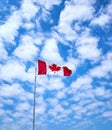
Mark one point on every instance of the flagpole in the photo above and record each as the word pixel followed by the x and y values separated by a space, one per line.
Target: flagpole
pixel 33 125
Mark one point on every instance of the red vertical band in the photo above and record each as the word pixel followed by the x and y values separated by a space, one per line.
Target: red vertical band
pixel 67 72
pixel 42 68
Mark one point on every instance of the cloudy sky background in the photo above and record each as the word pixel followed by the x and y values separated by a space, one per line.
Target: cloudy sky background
pixel 76 33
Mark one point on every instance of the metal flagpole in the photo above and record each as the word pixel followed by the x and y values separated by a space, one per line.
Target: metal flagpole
pixel 33 127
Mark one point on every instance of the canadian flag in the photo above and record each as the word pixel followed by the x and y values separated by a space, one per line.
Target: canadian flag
pixel 44 68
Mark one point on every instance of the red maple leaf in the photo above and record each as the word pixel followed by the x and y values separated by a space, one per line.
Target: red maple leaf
pixel 54 67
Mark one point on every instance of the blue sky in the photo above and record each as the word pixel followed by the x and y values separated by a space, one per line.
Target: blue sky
pixel 74 33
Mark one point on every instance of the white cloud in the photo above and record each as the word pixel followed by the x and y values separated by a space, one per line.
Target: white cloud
pixel 24 106
pixel 87 47
pixel 10 28
pixel 10 118
pixel 40 90
pixel 107 114
pixel 104 68
pixel 58 108
pixel 72 63
pixel 99 91
pixel 57 111
pixel 109 9
pixel 50 51
pixel 61 94
pixel 40 110
pixel 55 84
pixel 70 14
pixel 26 51
pixel 41 105
pixel 102 92
pixel 28 9
pixel 84 2
pixel 58 37
pixel 11 91
pixel 3 52
pixel 2 112
pixel 52 101
pixel 82 83
pixel 8 74
pixel 79 110
pixel 48 4
pixel 28 25
pixel 52 113
pixel 86 53
pixel 92 106
pixel 102 20
pixel 15 70
pixel 6 101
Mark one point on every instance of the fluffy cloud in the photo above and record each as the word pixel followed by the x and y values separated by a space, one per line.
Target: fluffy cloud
pixel 102 70
pixel 83 82
pixel 15 70
pixel 51 84
pixel 84 2
pixel 11 91
pixel 107 114
pixel 26 50
pixel 70 15
pixel 104 17
pixel 3 52
pixel 24 106
pixel 50 51
pixel 48 4
pixel 28 9
pixel 42 106
pixel 84 13
pixel 10 28
pixel 102 92
pixel 109 8
pixel 87 47
pixel 101 20
pixel 55 84
pixel 14 91
pixel 72 63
